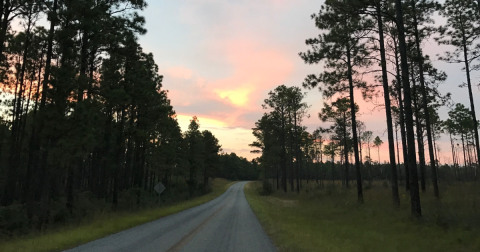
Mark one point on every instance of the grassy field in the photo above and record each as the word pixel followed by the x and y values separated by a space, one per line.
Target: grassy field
pixel 103 225
pixel 330 220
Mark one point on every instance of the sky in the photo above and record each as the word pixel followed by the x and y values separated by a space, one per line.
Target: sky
pixel 220 58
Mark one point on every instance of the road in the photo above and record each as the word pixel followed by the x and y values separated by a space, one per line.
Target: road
pixel 224 224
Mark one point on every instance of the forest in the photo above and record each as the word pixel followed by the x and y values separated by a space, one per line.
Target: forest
pixel 376 49
pixel 85 125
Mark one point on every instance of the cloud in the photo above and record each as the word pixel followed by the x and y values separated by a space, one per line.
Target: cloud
pixel 257 68
pixel 221 58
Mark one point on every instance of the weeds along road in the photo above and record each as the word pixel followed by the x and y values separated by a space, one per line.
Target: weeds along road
pixel 224 224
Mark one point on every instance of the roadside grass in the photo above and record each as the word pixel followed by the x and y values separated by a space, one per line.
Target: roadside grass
pixel 104 224
pixel 330 220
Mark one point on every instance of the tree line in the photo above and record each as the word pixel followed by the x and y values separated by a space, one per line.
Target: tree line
pixel 86 117
pixel 376 48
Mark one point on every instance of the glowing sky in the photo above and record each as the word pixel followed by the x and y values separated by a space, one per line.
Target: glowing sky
pixel 220 58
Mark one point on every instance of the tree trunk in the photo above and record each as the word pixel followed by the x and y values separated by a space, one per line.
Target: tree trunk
pixel 354 129
pixel 82 82
pixel 333 169
pixel 452 145
pixel 283 157
pixel 421 146
pixel 388 111
pixel 345 149
pixel 297 150
pixel 398 152
pixel 464 155
pixel 403 133
pixel 15 143
pixel 5 22
pixel 425 104
pixel 416 208
pixel 470 94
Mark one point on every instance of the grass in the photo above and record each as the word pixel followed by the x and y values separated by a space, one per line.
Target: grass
pixel 103 225
pixel 330 220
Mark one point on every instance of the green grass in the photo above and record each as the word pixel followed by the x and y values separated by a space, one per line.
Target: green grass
pixel 330 220
pixel 103 225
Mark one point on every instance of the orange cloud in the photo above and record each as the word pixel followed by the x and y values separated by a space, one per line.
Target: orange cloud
pixel 257 68
pixel 238 97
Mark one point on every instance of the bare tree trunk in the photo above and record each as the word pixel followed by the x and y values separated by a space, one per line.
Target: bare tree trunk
pixel 425 104
pixel 398 152
pixel 297 150
pixel 464 155
pixel 403 133
pixel 421 150
pixel 452 145
pixel 345 149
pixel 470 94
pixel 416 208
pixel 354 129
pixel 283 157
pixel 388 111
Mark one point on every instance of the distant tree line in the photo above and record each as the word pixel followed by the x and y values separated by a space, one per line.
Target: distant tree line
pixel 86 118
pixel 381 41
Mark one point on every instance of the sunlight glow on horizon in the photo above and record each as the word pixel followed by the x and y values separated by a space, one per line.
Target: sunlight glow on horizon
pixel 184 121
pixel 231 139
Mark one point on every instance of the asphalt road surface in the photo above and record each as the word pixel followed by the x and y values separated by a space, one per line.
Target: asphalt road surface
pixel 224 224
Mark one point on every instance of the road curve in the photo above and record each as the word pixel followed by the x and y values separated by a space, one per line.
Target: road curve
pixel 224 224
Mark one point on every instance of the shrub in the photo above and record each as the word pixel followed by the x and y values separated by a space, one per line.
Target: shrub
pixel 266 189
pixel 13 220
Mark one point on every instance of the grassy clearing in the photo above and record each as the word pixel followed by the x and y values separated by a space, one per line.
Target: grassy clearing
pixel 103 225
pixel 330 220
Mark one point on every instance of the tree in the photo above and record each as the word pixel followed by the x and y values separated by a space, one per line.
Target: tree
pixel 298 110
pixel 195 146
pixel 461 124
pixel 277 101
pixel 367 138
pixel 87 115
pixel 423 16
pixel 267 133
pixel 413 177
pixel 211 150
pixel 377 143
pixel 462 32
pixel 287 109
pixel 338 113
pixel 342 48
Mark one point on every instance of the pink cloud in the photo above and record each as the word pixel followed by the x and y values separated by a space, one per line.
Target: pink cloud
pixel 257 68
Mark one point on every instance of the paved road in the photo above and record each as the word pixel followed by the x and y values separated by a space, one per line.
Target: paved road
pixel 224 224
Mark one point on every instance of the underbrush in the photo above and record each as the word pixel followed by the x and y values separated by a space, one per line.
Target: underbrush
pixel 98 219
pixel 328 218
pixel 14 219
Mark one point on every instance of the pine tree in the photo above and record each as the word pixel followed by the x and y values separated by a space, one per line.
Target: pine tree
pixel 413 177
pixel 343 49
pixel 462 32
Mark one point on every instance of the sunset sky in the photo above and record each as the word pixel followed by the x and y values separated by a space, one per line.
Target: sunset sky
pixel 220 58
